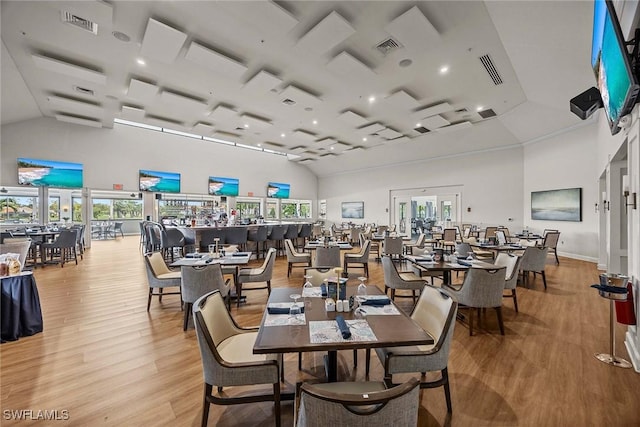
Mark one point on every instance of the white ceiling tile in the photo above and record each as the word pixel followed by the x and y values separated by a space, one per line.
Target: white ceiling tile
pixel 353 119
pixel 389 133
pixel 371 129
pixel 339 147
pixel 328 33
pixel 413 29
pixel 300 96
pixel 262 82
pixel 142 91
pixel 346 65
pixel 79 120
pixel 70 70
pixel 181 102
pixel 434 122
pixel 297 149
pixel 399 139
pixel 132 113
pixel 266 15
pixel 222 113
pixel 227 136
pixel 74 106
pixel 306 161
pixel 215 61
pixel 401 100
pixel 255 122
pixel 303 135
pixel 203 128
pixel 324 143
pixel 161 42
pixel 457 126
pixel 443 107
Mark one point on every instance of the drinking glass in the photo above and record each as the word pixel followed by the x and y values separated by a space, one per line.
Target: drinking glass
pixel 295 309
pixel 470 256
pixel 361 292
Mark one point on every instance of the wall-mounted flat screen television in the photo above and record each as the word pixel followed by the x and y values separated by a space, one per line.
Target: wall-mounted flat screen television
pixel 49 173
pixel 278 190
pixel 611 64
pixel 161 182
pixel 219 186
pixel 353 210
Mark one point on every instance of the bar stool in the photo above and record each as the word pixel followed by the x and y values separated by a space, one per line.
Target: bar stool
pixel 258 235
pixel 277 236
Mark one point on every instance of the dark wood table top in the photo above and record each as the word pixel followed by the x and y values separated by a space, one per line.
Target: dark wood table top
pixel 390 330
pixel 446 265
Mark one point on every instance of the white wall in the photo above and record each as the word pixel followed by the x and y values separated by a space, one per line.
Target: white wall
pixel 114 156
pixel 566 160
pixel 491 181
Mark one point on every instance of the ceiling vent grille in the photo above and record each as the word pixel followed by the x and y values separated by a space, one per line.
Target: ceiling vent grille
pixel 421 129
pixel 485 114
pixel 76 21
pixel 388 45
pixel 83 90
pixel 491 69
pixel 288 101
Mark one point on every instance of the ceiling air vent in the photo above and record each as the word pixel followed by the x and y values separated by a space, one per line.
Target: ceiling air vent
pixel 83 90
pixel 387 46
pixel 485 114
pixel 421 129
pixel 288 101
pixel 491 69
pixel 462 110
pixel 76 21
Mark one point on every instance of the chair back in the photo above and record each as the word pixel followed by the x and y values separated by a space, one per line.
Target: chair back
pixel 382 229
pixel 258 234
pixel 66 239
pixel 420 239
pixel 156 263
pixel 392 245
pixel 278 232
pixel 268 263
pixel 317 230
pixel 392 278
pixel 328 257
pixel 290 250
pixel 512 263
pixel 305 231
pixel 364 249
pixel 322 406
pixel 551 239
pixel 501 238
pixel 490 232
pixel 319 274
pixel 482 288
pixel 534 258
pixel 449 235
pixel 435 312
pixel 292 232
pixel 201 279
pixel 236 235
pixel 18 246
pixel 464 249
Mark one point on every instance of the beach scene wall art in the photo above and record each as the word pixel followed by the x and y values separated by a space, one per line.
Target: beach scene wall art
pixel 161 182
pixel 557 205
pixel 219 186
pixel 49 173
pixel 353 210
pixel 278 190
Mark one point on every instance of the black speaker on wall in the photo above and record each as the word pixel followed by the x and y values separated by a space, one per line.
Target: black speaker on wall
pixel 158 196
pixel 585 104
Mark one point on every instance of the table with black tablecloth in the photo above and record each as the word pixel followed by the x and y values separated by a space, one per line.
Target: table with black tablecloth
pixel 21 315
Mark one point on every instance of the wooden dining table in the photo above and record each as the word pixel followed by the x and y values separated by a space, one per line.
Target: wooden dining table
pixel 427 265
pixel 389 330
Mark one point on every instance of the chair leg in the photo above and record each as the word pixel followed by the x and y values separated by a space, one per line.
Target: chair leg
pixel 289 270
pixel 500 322
pixel 447 392
pixel 367 361
pixel 555 252
pixel 186 315
pixel 238 294
pixel 208 389
pixel 160 296
pixel 355 358
pixel 515 299
pixel 276 403
pixel 149 301
pixel 471 309
pixel 299 361
pixel 544 279
pixel 268 287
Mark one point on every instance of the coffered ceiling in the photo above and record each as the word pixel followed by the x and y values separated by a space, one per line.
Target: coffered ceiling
pixel 338 85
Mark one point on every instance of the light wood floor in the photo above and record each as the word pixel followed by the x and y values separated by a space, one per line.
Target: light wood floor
pixel 107 361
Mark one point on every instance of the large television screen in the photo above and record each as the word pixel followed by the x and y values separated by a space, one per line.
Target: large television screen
pixel 353 210
pixel 278 190
pixel 611 65
pixel 161 182
pixel 49 173
pixel 219 186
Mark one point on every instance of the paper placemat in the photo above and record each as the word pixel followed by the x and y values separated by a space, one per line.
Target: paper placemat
pixel 314 291
pixel 283 319
pixel 456 265
pixel 326 331
pixel 370 310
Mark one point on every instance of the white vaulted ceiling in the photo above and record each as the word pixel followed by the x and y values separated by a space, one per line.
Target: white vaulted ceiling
pixel 253 71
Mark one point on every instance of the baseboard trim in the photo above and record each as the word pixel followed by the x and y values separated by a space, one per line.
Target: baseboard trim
pixel 634 353
pixel 578 257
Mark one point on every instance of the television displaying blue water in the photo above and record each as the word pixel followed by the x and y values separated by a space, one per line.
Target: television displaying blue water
pixel 219 186
pixel 161 182
pixel 278 190
pixel 49 173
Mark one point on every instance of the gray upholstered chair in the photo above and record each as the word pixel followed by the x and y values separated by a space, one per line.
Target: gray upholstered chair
pixel 534 260
pixel 171 239
pixel 360 258
pixel 512 263
pixel 482 288
pixel 358 404
pixel 277 236
pixel 382 229
pixel 392 247
pixel 64 247
pixel 20 246
pixel 294 257
pixel 418 243
pixel 236 236
pixel 198 280
pixel 259 274
pixel 304 234
pixel 327 257
pixel 551 241
pixel 226 352
pixel 258 235
pixel 319 274
pixel 403 280
pixel 159 276
pixel 435 312
pixel 317 231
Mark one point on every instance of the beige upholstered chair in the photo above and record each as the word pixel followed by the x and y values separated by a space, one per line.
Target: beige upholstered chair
pixel 361 258
pixel 260 274
pixel 490 232
pixel 18 246
pixel 392 247
pixel 295 257
pixel 227 357
pixel 435 312
pixel 418 243
pixel 512 263
pixel 159 276
pixel 448 242
pixel 394 279
pixel 358 404
pixel 551 241
pixel 327 257
pixel 198 280
pixel 534 260
pixel 481 289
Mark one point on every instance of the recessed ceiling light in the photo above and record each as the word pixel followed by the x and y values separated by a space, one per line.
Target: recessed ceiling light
pixel 282 135
pixel 308 109
pixel 121 36
pixel 364 139
pixel 246 125
pixel 315 122
pixel 331 147
pixel 372 99
pixel 140 61
pixel 405 63
pixel 444 69
pixel 479 108
pixel 418 125
pixel 259 145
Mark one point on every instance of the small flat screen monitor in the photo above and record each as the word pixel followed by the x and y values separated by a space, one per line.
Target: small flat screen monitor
pixel 49 173
pixel 219 186
pixel 278 190
pixel 161 182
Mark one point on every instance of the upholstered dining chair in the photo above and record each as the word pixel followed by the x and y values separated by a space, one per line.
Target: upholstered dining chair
pixel 551 241
pixel 327 256
pixel 263 273
pixel 512 263
pixel 361 404
pixel 534 260
pixel 259 235
pixel 226 351
pixel 418 243
pixel 449 239
pixel 403 280
pixel 435 312
pixel 392 247
pixel 294 257
pixel 490 232
pixel 481 288
pixel 63 247
pixel 159 276
pixel 360 258
pixel 276 235
pixel 198 280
